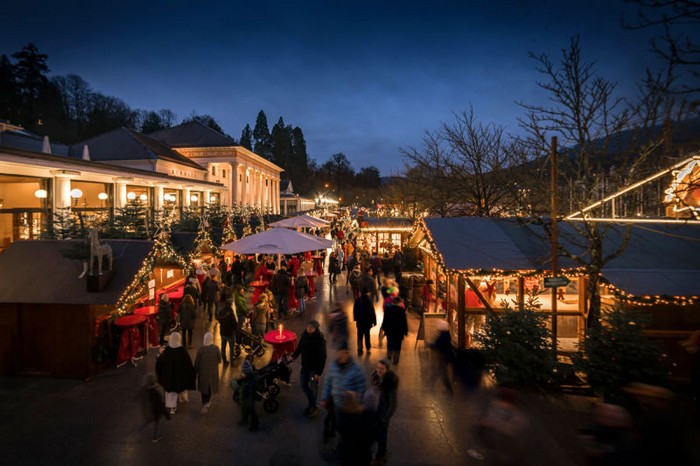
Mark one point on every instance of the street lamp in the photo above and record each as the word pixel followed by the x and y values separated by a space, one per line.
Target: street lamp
pixel 131 196
pixel 41 194
pixel 76 194
pixel 143 197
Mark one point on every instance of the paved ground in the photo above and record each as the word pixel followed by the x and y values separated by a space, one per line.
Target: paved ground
pixel 50 421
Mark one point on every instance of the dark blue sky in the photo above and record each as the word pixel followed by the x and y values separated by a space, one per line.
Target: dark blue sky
pixel 362 77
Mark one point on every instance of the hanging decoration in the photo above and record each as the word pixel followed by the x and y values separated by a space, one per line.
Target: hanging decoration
pixel 229 234
pixel 203 242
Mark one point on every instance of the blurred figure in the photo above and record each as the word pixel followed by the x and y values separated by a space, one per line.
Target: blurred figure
pixel 188 312
pixel 365 318
pixel 659 423
pixel 442 348
pixel 395 327
pixel 338 327
pixel 355 422
pixel 503 428
pixel 227 330
pixel 386 382
pixel 164 312
pixel 175 372
pixel 333 267
pixel 261 314
pixel 152 396
pixel 301 290
pixel 206 369
pixel 609 440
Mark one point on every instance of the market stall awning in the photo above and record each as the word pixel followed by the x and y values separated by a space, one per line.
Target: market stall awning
pixel 300 221
pixel 278 241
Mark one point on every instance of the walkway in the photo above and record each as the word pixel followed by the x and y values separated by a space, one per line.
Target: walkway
pixel 50 421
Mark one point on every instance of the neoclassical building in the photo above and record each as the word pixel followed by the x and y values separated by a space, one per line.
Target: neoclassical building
pixel 186 166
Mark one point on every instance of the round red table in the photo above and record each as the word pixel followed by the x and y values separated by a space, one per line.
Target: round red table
pixel 150 313
pixel 312 286
pixel 282 343
pixel 130 340
pixel 259 286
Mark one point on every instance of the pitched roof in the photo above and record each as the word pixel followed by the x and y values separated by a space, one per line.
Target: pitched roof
pixel 125 144
pixel 192 134
pixel 660 259
pixel 40 273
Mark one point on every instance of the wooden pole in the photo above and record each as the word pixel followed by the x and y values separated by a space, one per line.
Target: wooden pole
pixel 555 245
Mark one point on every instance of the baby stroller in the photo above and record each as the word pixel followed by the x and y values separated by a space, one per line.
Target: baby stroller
pixel 252 344
pixel 267 382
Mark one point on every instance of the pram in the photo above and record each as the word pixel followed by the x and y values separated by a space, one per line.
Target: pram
pixel 267 382
pixel 252 344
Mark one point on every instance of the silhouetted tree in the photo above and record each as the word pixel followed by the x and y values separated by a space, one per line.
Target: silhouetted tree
pixel 247 138
pixel 282 151
pixel 262 141
pixel 31 82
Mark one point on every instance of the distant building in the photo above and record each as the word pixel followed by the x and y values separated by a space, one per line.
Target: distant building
pixel 292 203
pixel 187 166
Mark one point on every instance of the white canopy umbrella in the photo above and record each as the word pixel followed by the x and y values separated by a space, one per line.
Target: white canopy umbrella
pixel 278 241
pixel 300 221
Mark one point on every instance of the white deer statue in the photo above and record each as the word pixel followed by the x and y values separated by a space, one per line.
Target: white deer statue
pixel 98 251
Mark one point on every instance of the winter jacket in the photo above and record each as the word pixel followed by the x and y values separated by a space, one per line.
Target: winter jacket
pixel 363 312
pixel 388 388
pixel 340 379
pixel 206 368
pixel 227 322
pixel 187 315
pixel 301 286
pixel 261 313
pixel 241 308
pixel 174 369
pixel 395 323
pixel 281 283
pixel 312 348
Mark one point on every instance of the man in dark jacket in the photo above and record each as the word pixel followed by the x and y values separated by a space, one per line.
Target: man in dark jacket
pixel 365 318
pixel 227 330
pixel 312 348
pixel 237 269
pixel 280 286
pixel 367 282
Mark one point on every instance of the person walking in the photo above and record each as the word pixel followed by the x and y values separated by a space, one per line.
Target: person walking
pixel 367 282
pixel 333 267
pixel 386 383
pixel 210 292
pixel 227 331
pixel 312 349
pixel 164 312
pixel 344 375
pixel 354 278
pixel 206 370
pixel 192 289
pixel 188 313
pixel 338 326
pixel 175 372
pixel 442 347
pixel 395 327
pixel 152 396
pixel 365 318
pixel 301 289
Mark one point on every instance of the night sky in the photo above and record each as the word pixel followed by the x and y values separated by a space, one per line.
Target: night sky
pixel 360 77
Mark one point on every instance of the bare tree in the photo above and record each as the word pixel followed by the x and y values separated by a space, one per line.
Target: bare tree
pixel 585 115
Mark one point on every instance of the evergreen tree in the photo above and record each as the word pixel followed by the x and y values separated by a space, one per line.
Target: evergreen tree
pixel 8 92
pixel 61 225
pixel 247 138
pixel 31 83
pixel 131 220
pixel 262 144
pixel 282 151
pixel 151 121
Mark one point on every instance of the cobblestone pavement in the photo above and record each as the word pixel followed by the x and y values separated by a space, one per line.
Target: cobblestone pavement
pixel 52 421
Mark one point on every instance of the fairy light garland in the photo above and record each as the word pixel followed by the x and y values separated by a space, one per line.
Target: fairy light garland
pixel 202 242
pixel 162 253
pixel 623 296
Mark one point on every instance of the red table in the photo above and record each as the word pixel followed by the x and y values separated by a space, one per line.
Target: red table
pixel 283 343
pixel 312 286
pixel 130 340
pixel 150 313
pixel 175 296
pixel 259 286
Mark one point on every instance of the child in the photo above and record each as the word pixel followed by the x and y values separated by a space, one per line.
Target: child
pixel 247 386
pixel 152 397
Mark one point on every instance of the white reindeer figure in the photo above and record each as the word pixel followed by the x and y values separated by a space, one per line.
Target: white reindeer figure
pixel 98 251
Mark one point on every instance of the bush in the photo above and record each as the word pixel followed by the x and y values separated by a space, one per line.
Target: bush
pixel 616 353
pixel 517 346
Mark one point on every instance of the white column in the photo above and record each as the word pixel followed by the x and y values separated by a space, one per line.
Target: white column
pixel 158 197
pixel 207 196
pixel 62 191
pixel 186 197
pixel 120 194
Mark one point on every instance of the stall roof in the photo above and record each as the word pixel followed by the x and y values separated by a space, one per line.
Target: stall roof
pixel 36 272
pixel 660 259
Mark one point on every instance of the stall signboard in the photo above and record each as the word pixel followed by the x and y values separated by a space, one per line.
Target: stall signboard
pixel 151 289
pixel 556 282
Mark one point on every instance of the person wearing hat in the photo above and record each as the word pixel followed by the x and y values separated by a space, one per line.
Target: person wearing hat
pixel 344 375
pixel 386 383
pixel 247 386
pixel 355 278
pixel 312 349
